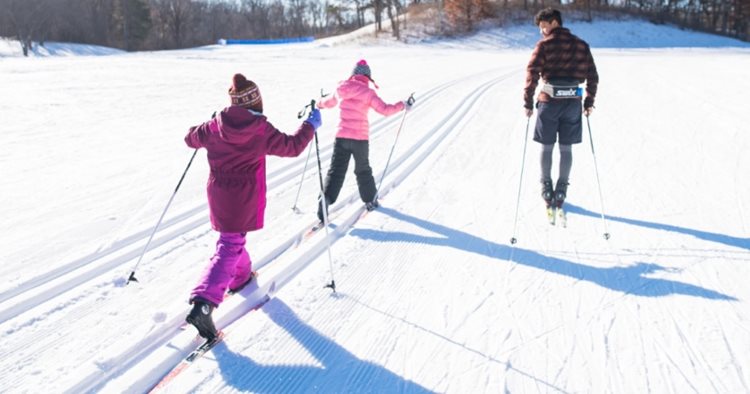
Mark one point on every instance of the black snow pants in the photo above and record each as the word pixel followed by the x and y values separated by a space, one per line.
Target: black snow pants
pixel 343 149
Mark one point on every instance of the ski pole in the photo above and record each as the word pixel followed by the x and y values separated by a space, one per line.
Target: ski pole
pixel 598 182
pixel 132 278
pixel 304 170
pixel 513 239
pixel 382 177
pixel 324 204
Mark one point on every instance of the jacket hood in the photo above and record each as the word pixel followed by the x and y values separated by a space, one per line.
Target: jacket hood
pixel 354 86
pixel 237 125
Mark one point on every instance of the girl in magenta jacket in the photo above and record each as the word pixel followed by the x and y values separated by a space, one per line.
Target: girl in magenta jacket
pixel 237 141
pixel 355 98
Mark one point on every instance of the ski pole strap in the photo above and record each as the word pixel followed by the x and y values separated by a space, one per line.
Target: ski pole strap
pixel 303 111
pixel 562 88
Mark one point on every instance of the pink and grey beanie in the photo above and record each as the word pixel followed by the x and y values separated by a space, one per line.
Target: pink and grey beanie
pixel 362 69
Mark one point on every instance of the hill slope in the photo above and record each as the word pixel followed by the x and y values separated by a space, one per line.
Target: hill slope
pixel 431 295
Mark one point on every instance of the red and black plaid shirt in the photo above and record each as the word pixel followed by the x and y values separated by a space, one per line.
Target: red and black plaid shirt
pixel 561 55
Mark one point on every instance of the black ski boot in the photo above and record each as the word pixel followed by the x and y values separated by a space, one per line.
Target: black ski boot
pixel 561 191
pixel 370 206
pixel 200 317
pixel 547 193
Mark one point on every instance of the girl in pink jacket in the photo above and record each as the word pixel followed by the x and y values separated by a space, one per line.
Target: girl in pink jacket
pixel 237 141
pixel 355 98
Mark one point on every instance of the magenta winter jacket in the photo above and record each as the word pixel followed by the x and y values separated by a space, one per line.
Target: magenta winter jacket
pixel 237 142
pixel 356 100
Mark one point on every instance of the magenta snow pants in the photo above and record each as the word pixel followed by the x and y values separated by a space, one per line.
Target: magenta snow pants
pixel 230 267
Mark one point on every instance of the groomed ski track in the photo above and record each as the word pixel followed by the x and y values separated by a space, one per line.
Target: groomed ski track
pixel 428 298
pixel 166 340
pixel 37 290
pixel 347 211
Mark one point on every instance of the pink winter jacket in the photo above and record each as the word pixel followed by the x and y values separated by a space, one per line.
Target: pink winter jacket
pixel 237 142
pixel 356 100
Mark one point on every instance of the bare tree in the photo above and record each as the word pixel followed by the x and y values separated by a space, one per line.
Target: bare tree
pixel 377 9
pixel 297 12
pixel 132 21
pixel 336 14
pixel 392 7
pixel 360 6
pixel 220 21
pixel 464 14
pixel 257 18
pixel 28 20
pixel 99 14
pixel 174 16
pixel 317 16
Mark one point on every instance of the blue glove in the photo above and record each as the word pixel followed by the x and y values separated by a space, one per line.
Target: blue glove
pixel 314 118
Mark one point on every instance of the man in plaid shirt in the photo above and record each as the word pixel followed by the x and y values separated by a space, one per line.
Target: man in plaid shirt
pixel 563 61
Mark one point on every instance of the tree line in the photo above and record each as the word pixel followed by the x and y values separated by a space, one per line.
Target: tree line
pixel 169 24
pixel 724 17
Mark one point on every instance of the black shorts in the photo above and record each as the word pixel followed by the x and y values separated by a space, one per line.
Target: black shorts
pixel 559 116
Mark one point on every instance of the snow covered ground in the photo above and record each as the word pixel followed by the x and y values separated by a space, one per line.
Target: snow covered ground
pixel 432 297
pixel 12 48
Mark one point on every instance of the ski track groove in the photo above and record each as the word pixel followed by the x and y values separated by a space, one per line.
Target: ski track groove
pixel 739 172
pixel 614 302
pixel 290 356
pixel 435 350
pixel 84 310
pixel 437 139
pixel 482 284
pixel 737 366
pixel 676 368
pixel 278 177
pixel 394 315
pixel 48 325
pixel 358 281
pixel 390 312
pixel 382 344
pixel 330 326
pixel 608 361
pixel 699 364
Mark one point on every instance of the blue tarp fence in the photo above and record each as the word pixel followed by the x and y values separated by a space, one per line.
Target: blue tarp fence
pixel 264 42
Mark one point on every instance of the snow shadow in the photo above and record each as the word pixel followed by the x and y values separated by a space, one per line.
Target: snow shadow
pixel 705 235
pixel 628 280
pixel 340 370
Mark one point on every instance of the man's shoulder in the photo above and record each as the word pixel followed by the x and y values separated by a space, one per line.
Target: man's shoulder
pixel 563 37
